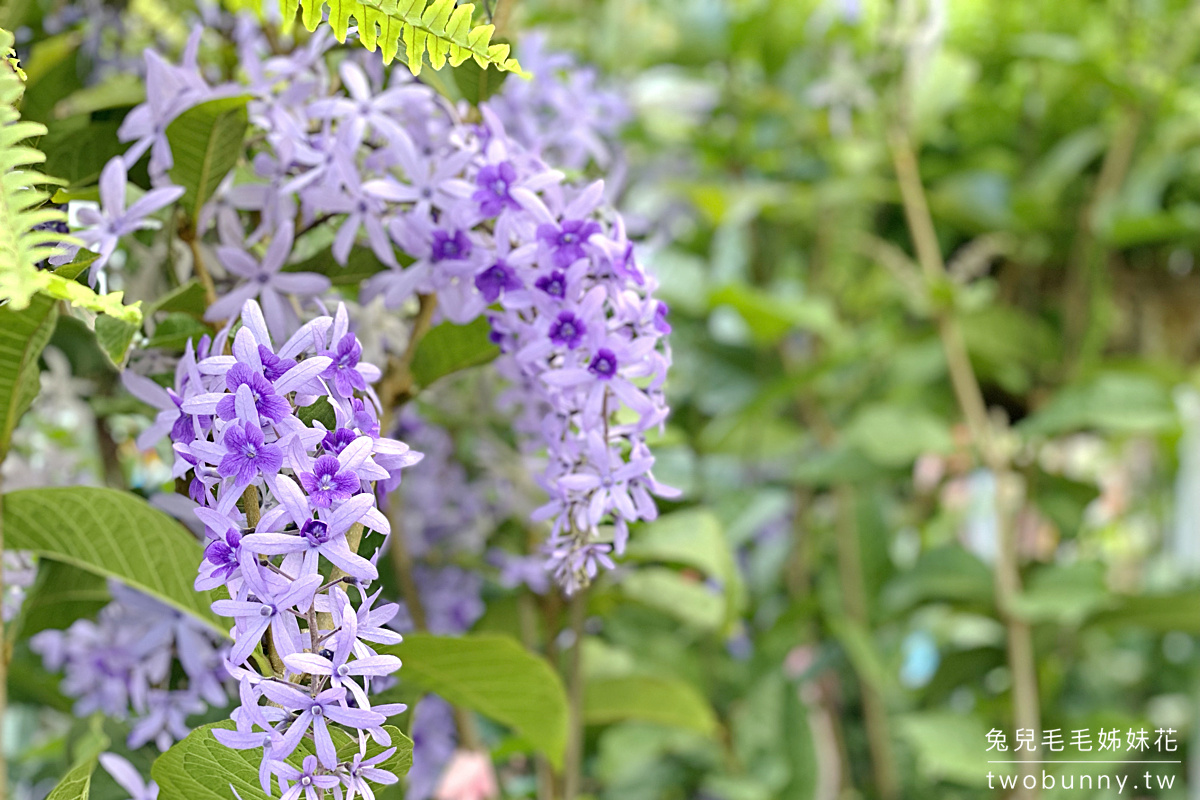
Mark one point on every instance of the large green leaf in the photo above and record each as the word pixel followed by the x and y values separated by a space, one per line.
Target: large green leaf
pixel 23 335
pixel 114 534
pixel 663 700
pixel 449 348
pixel 494 675
pixel 205 143
pixel 201 768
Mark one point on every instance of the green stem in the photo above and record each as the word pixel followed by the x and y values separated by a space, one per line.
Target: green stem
pixel 1021 657
pixel 573 765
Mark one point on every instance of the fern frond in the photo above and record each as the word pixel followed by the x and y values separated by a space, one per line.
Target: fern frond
pixel 436 27
pixel 23 243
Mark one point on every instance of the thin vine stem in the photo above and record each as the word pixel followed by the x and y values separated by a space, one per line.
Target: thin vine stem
pixel 1006 569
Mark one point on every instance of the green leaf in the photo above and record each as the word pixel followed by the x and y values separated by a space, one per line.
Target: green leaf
pixel 114 337
pixel 77 783
pixel 948 573
pixel 1063 593
pixel 893 436
pixel 23 336
pixel 201 768
pixel 688 600
pixel 449 348
pixel 692 537
pixel 174 332
pixel 494 675
pixel 186 299
pixel 695 538
pixel 1116 402
pixel 476 83
pixel 1161 613
pixel 114 534
pixel 205 141
pixel 771 318
pixel 948 745
pixel 320 411
pixel 665 701
pixel 437 28
pixel 360 265
pixel 60 595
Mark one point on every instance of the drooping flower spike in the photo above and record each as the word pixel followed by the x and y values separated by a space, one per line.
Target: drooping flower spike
pixel 285 503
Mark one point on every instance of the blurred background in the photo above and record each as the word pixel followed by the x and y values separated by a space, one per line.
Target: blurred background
pixel 936 413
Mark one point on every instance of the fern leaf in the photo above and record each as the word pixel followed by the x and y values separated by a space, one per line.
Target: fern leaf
pixel 22 210
pixel 438 28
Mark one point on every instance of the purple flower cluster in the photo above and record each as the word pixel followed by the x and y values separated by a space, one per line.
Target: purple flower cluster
pixel 484 225
pixel 285 505
pixel 122 665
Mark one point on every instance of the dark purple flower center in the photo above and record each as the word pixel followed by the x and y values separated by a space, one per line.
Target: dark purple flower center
pixel 604 364
pixel 554 284
pixel 336 440
pixel 316 531
pixel 567 330
pixel 450 247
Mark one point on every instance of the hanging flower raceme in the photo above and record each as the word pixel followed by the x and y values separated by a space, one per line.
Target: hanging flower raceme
pixel 286 503
pixel 488 229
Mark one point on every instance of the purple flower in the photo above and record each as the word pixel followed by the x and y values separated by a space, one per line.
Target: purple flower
pixel 105 227
pixel 246 455
pixel 320 537
pixel 222 555
pixel 274 367
pixel 365 109
pixel 360 770
pixel 316 713
pixel 262 394
pixel 304 781
pixel 450 246
pixel 660 318
pixel 336 440
pixel 496 280
pixel 170 418
pixel 328 482
pixel 494 181
pixel 265 280
pixel 603 364
pixel 566 239
pixel 267 608
pixel 170 90
pixel 342 371
pixel 337 667
pixel 568 330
